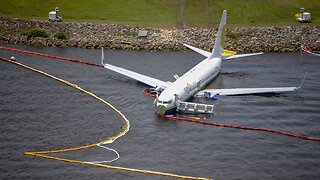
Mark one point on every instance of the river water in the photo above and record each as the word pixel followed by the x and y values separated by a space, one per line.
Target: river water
pixel 38 113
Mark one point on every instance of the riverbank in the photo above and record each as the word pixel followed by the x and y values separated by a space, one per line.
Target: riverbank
pixel 89 35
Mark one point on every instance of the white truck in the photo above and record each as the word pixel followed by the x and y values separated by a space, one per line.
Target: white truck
pixel 54 15
pixel 304 17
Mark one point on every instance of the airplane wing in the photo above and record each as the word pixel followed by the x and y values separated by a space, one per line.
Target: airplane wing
pixel 153 82
pixel 243 91
pixel 139 77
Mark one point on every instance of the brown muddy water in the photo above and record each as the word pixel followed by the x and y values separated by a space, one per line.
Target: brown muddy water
pixel 38 113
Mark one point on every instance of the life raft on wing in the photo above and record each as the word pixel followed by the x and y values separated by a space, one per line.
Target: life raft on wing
pixel 308 50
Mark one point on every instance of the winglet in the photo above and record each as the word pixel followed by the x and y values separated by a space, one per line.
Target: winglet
pixel 102 56
pixel 304 78
pixel 217 49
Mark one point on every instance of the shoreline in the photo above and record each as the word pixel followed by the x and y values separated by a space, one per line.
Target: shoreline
pixel 89 35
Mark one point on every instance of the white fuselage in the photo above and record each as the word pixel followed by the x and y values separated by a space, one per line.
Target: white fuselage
pixel 188 84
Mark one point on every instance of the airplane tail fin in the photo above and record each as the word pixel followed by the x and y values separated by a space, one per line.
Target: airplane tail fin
pixel 218 49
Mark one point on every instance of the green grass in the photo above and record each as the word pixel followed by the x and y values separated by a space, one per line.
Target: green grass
pixel 167 13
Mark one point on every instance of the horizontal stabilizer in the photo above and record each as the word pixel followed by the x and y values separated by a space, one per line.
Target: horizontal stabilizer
pixel 240 56
pixel 200 51
pixel 226 54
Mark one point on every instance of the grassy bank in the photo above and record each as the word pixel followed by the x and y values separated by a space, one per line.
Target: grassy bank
pixel 166 13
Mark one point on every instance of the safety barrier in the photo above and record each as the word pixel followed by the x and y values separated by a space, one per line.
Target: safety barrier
pixel 50 56
pixel 44 154
pixel 308 50
pixel 239 127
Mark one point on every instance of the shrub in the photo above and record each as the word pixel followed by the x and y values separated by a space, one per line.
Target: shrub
pixel 2 31
pixel 234 36
pixel 296 38
pixel 61 35
pixel 37 32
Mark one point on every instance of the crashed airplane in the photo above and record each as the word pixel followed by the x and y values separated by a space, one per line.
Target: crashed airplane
pixel 172 97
